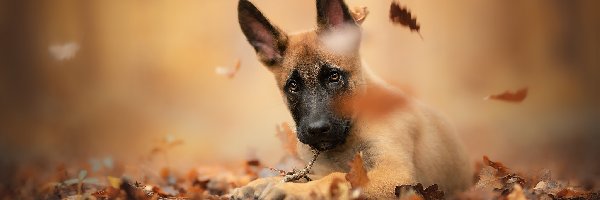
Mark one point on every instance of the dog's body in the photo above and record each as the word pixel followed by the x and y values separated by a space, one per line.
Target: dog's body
pixel 406 144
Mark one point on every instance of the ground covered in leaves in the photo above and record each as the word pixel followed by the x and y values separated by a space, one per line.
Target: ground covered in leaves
pixel 108 179
pixel 105 178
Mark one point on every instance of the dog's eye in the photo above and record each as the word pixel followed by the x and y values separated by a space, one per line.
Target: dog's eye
pixel 293 86
pixel 334 77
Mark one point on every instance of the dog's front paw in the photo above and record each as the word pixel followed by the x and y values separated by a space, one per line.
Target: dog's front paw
pixel 272 188
pixel 257 189
pixel 333 186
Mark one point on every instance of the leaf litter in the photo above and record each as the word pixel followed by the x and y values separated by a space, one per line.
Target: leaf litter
pixel 108 180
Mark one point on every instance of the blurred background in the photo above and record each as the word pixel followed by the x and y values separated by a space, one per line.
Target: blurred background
pixel 83 79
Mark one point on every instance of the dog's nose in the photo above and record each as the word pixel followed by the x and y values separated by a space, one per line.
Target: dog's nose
pixel 319 127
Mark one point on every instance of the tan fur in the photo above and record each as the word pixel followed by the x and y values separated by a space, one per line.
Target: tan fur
pixel 409 144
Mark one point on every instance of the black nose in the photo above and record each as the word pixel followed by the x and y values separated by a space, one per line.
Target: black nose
pixel 319 127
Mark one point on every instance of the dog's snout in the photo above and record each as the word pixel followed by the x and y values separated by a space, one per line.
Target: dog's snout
pixel 319 127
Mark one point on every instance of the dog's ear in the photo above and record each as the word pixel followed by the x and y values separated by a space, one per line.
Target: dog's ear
pixel 332 14
pixel 268 40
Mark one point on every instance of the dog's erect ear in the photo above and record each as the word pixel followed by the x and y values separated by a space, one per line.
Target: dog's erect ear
pixel 268 40
pixel 332 14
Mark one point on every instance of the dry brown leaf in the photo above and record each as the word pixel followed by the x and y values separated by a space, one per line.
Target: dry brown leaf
pixel 496 176
pixel 569 193
pixel 401 15
pixel 229 72
pixel 357 176
pixel 488 179
pixel 107 193
pixel 509 96
pixel 192 175
pixel 252 168
pixel 287 138
pixel 417 192
pixel 496 165
pixel 360 14
pixel 165 173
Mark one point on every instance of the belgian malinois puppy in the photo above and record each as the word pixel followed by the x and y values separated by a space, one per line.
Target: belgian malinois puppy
pixel 401 142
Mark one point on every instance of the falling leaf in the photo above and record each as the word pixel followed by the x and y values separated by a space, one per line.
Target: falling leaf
pixel 64 51
pixel 287 138
pixel 401 15
pixel 377 101
pixel 509 96
pixel 342 40
pixel 229 72
pixel 360 14
pixel 357 176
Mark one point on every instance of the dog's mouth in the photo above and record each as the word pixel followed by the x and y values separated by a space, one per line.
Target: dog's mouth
pixel 324 146
pixel 330 143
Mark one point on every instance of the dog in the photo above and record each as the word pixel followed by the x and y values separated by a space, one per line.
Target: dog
pixel 403 142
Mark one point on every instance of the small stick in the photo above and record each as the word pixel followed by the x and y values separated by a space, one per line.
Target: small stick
pixel 303 173
pixel 280 171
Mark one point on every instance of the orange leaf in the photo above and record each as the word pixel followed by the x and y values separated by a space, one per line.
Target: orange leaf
pixel 401 15
pixel 165 173
pixel 516 97
pixel 229 72
pixel 378 101
pixel 358 174
pixel 360 14
pixel 496 165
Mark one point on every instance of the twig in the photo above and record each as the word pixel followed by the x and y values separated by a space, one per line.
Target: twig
pixel 303 173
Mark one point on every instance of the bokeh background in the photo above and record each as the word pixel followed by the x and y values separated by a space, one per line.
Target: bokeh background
pixel 83 79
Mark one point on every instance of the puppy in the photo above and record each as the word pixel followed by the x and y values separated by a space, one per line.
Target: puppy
pixel 321 78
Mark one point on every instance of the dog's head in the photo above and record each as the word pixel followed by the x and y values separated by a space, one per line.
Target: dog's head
pixel 316 71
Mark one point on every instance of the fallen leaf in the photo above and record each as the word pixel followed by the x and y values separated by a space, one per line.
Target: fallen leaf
pixel 165 173
pixel 357 176
pixel 509 96
pixel 114 182
pixel 496 165
pixel 107 193
pixel 229 72
pixel 192 175
pixel 569 193
pixel 252 167
pixel 496 176
pixel 417 192
pixel 401 15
